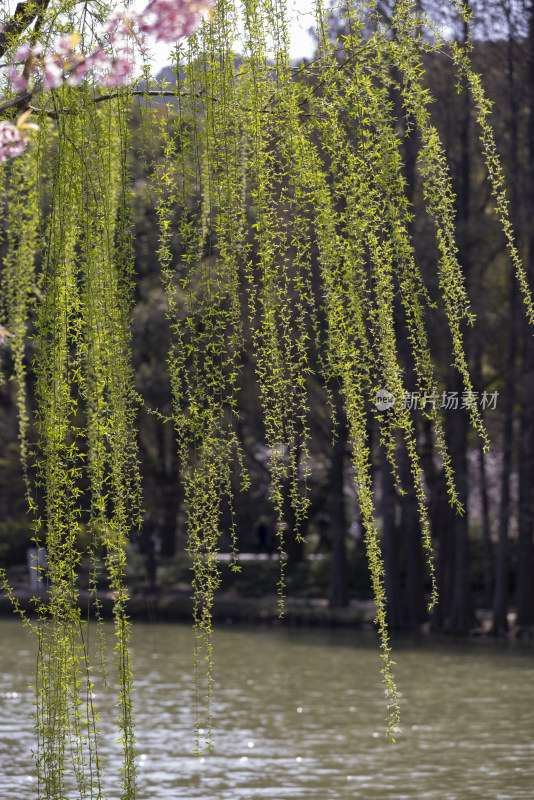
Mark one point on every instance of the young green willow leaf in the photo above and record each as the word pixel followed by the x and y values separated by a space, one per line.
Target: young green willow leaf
pixel 284 230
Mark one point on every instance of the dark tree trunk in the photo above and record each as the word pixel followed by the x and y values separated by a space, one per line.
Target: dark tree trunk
pixel 338 590
pixel 389 547
pixel 414 606
pixel 525 549
pixel 444 527
pixel 487 547
pixel 461 617
pixel 457 421
pixel 169 490
pixel 293 539
pixel 525 560
pixel 171 499
pixel 500 598
pixel 414 611
pixel 441 523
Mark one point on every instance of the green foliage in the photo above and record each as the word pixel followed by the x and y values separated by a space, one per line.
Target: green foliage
pixel 325 245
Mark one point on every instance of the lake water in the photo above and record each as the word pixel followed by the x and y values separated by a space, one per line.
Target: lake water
pixel 300 714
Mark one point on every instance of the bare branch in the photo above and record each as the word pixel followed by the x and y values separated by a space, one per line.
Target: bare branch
pixel 25 14
pixel 21 101
pixel 152 93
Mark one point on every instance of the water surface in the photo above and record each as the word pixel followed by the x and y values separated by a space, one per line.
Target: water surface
pixel 300 714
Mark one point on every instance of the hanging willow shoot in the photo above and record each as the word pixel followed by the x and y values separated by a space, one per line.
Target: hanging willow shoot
pixel 283 191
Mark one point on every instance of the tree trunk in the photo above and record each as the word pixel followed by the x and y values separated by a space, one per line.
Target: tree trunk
pixel 525 554
pixel 390 547
pixel 414 611
pixel 338 590
pixel 169 489
pixel 487 548
pixel 414 606
pixel 457 421
pixel 293 539
pixel 500 598
pixel 441 523
pixel 461 612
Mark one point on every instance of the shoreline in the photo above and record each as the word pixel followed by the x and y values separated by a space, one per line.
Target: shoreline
pixel 177 606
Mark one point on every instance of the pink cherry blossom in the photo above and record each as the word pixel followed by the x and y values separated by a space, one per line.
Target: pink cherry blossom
pixel 23 52
pixel 169 20
pixel 53 72
pixel 98 59
pixel 18 81
pixel 12 143
pixel 78 74
pixel 121 71
pixel 63 46
pixel 9 133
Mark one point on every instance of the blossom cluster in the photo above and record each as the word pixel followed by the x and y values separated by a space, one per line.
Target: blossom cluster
pixel 13 138
pixel 112 64
pixel 12 143
pixel 169 20
pixel 165 20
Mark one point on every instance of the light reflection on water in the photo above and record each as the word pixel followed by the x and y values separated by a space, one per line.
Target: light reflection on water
pixel 299 714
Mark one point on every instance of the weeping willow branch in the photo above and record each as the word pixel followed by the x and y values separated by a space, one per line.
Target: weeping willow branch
pixel 281 233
